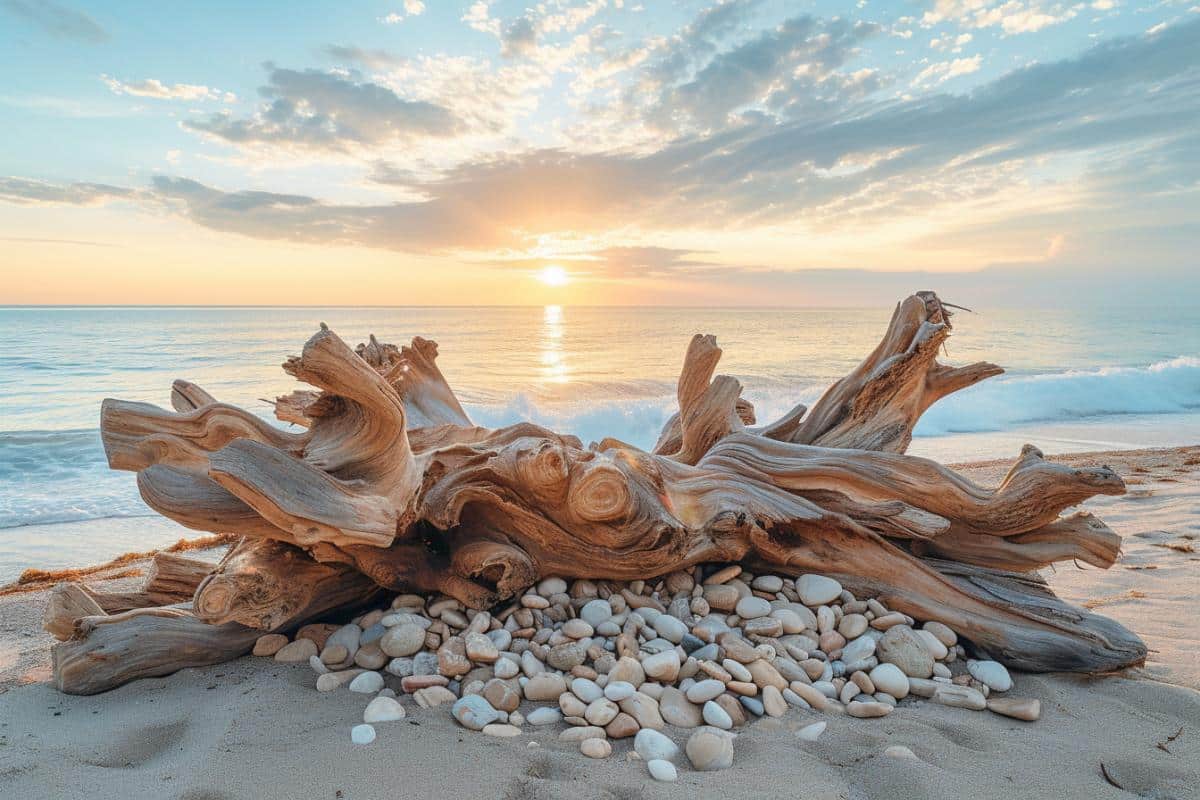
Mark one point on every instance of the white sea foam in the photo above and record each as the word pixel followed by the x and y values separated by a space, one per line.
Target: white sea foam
pixel 1166 387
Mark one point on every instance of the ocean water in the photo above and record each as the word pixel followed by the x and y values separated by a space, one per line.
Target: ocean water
pixel 1112 378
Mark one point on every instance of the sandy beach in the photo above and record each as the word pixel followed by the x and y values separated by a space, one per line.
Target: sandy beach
pixel 256 728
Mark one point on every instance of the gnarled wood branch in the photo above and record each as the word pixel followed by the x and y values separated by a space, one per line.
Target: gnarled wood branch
pixel 708 407
pixel 391 484
pixel 877 405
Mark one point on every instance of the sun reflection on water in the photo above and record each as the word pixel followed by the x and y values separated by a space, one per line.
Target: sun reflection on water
pixel 554 363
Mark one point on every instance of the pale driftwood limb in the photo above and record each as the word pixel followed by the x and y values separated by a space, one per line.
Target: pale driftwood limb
pixel 176 577
pixel 785 427
pixel 293 407
pixel 106 652
pixel 308 503
pixel 1031 496
pixel 480 515
pixel 412 371
pixel 139 435
pixel 187 396
pixel 707 405
pixel 198 502
pixel 1079 537
pixel 172 579
pixel 67 603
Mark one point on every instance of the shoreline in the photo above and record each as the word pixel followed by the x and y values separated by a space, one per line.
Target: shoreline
pixel 235 729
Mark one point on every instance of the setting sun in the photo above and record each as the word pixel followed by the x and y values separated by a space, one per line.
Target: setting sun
pixel 553 275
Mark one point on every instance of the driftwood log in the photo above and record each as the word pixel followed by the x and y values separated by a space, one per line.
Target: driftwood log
pixel 389 484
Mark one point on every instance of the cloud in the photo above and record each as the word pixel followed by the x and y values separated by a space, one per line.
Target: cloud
pixel 57 20
pixel 945 70
pixel 786 63
pixel 375 59
pixel 24 191
pixel 412 8
pixel 520 37
pixel 324 111
pixel 953 44
pixel 896 158
pixel 478 17
pixel 876 164
pixel 697 80
pixel 1011 16
pixel 152 87
pixel 677 57
pixel 631 261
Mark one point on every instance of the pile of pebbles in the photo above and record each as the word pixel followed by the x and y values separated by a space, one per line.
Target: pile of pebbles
pixel 611 661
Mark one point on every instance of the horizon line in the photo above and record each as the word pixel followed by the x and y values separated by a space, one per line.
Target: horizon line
pixel 232 306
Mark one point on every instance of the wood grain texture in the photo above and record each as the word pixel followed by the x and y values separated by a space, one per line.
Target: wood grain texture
pixel 390 480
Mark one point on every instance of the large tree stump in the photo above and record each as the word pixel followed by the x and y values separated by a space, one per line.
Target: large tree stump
pixel 390 480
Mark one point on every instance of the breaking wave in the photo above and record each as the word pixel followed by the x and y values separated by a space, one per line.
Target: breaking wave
pixel 1167 387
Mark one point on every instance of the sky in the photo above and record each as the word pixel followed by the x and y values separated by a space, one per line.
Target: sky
pixel 742 152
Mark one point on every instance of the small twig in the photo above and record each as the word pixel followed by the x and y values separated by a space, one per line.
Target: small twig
pixel 1109 778
pixel 1163 745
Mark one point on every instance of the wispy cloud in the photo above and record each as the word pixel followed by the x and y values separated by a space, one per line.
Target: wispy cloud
pixel 152 87
pixel 953 44
pixel 1011 16
pixel 337 112
pixel 412 8
pixel 57 20
pixel 520 36
pixel 943 71
pixel 24 191
pixel 368 57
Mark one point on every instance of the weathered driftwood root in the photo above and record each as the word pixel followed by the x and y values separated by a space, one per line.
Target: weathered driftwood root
pixel 263 583
pixel 877 405
pixel 391 480
pixel 104 651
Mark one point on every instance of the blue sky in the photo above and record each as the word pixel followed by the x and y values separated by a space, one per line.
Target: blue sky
pixel 742 151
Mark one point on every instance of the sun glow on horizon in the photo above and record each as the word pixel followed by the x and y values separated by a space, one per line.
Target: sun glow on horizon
pixel 554 275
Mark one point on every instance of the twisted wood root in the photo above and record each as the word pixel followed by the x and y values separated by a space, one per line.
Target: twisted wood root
pixel 391 485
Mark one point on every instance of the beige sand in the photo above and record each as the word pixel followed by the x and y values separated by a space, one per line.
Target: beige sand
pixel 254 728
